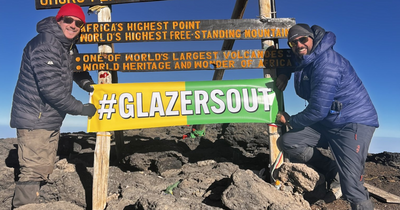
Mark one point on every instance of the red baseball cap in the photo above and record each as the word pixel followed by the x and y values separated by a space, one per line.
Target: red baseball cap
pixel 71 9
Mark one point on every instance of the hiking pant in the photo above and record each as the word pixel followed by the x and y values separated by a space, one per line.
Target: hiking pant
pixel 37 151
pixel 349 146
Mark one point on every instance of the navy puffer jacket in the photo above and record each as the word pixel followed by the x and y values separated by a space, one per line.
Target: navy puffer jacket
pixel 324 76
pixel 42 96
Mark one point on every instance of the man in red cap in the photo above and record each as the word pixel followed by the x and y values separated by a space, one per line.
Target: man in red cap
pixel 42 98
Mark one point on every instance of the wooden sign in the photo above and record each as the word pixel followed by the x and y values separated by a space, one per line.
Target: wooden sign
pixel 50 4
pixel 185 30
pixel 190 60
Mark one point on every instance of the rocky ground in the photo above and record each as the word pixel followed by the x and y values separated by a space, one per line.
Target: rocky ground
pixel 158 169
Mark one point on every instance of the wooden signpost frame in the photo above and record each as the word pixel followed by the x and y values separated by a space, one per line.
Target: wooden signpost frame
pixel 102 148
pixel 103 139
pixel 267 10
pixel 101 164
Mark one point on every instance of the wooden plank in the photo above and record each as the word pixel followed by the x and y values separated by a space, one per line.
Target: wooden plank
pixel 382 195
pixel 237 13
pixel 187 60
pixel 267 12
pixel 185 30
pixel 100 170
pixel 119 144
pixel 50 4
pixel 102 149
pixel 273 150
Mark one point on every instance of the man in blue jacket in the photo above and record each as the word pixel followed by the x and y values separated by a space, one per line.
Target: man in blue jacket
pixel 42 98
pixel 339 115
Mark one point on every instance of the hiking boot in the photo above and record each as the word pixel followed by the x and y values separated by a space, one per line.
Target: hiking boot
pixel 25 193
pixel 336 189
pixel 364 205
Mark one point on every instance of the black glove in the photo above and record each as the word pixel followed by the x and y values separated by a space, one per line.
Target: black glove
pixel 88 110
pixel 88 87
pixel 283 118
pixel 336 107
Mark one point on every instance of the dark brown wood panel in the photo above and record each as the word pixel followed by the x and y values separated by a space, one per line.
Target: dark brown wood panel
pixel 185 30
pixel 188 60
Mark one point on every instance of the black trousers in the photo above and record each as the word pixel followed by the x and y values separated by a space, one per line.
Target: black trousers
pixel 349 145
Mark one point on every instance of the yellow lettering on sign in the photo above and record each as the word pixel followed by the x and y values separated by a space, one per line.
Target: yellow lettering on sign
pixel 179 35
pixel 142 36
pixel 96 37
pixel 147 26
pixel 273 63
pixel 218 34
pixel 147 57
pixel 185 25
pixel 194 55
pixel 246 63
pixel 262 33
pixel 150 66
pixel 221 64
pixel 160 26
pixel 59 2
pixel 103 27
pixel 201 64
pixel 242 54
pixel 286 31
pixel 257 54
pixel 92 58
pixel 273 32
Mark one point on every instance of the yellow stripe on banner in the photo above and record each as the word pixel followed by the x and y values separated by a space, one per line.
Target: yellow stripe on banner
pixel 104 135
pixel 136 105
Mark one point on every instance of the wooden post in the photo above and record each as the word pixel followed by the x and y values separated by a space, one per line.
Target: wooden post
pixel 267 10
pixel 102 149
pixel 382 195
pixel 101 168
pixel 237 13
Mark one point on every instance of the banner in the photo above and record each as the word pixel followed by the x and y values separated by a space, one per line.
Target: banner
pixel 147 105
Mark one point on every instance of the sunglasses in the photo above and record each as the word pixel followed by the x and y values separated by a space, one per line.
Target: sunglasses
pixel 69 20
pixel 302 40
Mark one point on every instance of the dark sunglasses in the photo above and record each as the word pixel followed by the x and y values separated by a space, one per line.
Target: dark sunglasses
pixel 70 20
pixel 302 40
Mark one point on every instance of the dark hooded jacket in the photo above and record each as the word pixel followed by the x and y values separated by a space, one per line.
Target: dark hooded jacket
pixel 42 96
pixel 324 76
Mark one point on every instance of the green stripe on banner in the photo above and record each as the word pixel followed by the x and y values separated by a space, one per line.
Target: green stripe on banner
pixel 231 101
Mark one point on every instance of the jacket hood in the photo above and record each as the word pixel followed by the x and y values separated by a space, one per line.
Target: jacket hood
pixel 50 25
pixel 319 34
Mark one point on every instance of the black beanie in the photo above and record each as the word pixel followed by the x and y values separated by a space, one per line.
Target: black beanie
pixel 300 29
